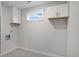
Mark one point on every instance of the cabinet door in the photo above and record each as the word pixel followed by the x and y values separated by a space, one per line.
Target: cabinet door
pixel 51 11
pixel 16 15
pixel 63 10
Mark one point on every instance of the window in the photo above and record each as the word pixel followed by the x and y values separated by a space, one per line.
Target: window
pixel 35 16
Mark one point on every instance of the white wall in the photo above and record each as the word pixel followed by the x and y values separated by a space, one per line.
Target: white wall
pixel 0 28
pixel 0 8
pixel 73 30
pixel 6 45
pixel 43 36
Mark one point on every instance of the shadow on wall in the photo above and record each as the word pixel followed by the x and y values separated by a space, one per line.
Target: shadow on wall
pixel 59 24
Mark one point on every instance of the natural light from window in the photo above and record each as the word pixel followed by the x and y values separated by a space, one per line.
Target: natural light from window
pixel 35 16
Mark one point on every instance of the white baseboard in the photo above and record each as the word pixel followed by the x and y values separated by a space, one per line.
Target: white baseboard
pixel 40 52
pixel 8 51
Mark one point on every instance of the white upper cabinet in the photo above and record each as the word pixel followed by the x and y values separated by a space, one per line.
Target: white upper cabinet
pixel 51 11
pixel 57 11
pixel 63 10
pixel 16 15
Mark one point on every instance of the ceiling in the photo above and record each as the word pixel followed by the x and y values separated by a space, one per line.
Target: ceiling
pixel 26 4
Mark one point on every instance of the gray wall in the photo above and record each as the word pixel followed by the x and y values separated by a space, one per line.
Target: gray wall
pixel 6 28
pixel 47 36
pixel 0 36
pixel 0 28
pixel 73 30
